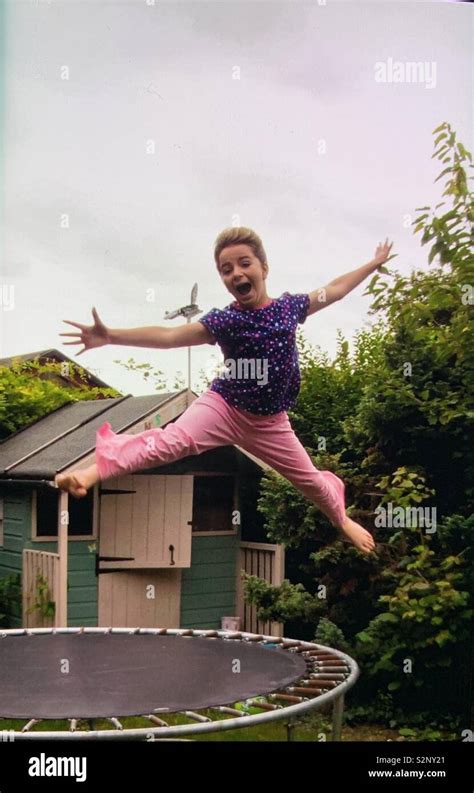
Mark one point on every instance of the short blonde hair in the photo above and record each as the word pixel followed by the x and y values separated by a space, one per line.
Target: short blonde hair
pixel 239 235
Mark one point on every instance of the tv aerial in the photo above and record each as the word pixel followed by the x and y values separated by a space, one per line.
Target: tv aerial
pixel 188 311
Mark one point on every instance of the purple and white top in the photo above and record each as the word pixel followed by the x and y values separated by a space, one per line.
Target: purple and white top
pixel 262 373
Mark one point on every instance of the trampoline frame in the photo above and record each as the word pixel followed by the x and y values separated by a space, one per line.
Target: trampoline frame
pixel 338 676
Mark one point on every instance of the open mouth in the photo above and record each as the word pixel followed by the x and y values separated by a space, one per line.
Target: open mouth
pixel 244 289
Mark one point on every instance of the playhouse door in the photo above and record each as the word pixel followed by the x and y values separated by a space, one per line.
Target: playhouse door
pixel 145 522
pixel 140 599
pixel 144 541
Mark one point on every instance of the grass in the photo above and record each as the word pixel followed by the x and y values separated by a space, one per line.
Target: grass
pixel 312 728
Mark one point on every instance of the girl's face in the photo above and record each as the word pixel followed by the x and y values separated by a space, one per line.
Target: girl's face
pixel 243 275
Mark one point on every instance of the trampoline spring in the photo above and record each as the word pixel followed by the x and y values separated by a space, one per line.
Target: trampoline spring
pixel 323 675
pixel 263 705
pixel 30 724
pixel 306 691
pixel 115 722
pixel 286 697
pixel 325 682
pixel 318 682
pixel 158 722
pixel 230 711
pixel 330 662
pixel 72 725
pixel 122 631
pixel 326 669
pixel 92 631
pixel 38 631
pixel 195 716
pixel 324 656
pixel 152 631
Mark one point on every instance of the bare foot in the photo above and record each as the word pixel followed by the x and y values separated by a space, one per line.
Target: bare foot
pixel 77 483
pixel 360 537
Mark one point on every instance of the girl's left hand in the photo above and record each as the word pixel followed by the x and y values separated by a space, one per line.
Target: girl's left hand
pixel 382 253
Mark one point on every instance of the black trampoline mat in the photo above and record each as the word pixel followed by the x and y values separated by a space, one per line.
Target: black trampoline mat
pixel 129 675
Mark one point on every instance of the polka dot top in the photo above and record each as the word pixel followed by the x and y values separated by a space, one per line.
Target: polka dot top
pixel 261 371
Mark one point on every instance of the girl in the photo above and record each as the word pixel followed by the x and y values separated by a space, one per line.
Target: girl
pixel 257 336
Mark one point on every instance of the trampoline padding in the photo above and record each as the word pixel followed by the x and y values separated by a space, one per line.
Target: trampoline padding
pixel 59 676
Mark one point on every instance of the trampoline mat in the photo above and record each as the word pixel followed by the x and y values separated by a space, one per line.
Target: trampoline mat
pixel 59 676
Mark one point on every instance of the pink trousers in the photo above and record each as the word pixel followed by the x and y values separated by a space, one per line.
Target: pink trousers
pixel 210 422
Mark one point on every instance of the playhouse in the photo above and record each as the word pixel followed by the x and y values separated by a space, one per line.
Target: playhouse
pixel 160 548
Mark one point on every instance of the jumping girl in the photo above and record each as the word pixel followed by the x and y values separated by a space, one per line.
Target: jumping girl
pixel 256 333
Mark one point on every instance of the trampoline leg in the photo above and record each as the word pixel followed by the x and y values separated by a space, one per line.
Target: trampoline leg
pixel 290 726
pixel 337 711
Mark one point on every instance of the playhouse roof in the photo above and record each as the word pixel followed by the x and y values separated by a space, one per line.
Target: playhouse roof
pixel 52 355
pixel 49 445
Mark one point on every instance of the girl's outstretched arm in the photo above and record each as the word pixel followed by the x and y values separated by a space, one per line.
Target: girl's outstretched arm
pixel 341 286
pixel 98 334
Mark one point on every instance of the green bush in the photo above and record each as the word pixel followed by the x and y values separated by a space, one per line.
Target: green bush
pixel 394 419
pixel 10 598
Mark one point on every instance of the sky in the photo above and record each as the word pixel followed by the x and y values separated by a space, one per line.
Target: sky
pixel 134 132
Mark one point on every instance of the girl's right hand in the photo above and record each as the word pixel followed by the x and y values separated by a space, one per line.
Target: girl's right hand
pixel 95 335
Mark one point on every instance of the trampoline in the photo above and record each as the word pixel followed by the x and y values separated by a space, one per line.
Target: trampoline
pixel 88 674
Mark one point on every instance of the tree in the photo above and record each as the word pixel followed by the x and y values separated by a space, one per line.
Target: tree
pixel 396 419
pixel 30 390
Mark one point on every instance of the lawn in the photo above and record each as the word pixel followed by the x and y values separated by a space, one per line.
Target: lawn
pixel 312 728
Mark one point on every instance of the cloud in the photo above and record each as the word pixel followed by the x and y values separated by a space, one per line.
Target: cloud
pixel 151 148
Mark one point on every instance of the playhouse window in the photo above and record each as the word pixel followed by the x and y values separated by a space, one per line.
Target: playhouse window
pixel 213 503
pixel 80 514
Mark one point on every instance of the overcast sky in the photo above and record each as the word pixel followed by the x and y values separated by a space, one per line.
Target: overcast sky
pixel 134 132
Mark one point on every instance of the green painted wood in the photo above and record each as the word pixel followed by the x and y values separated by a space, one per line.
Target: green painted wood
pixel 213 555
pixel 209 586
pixel 213 584
pixel 82 582
pixel 211 600
pixel 81 612
pixel 79 595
